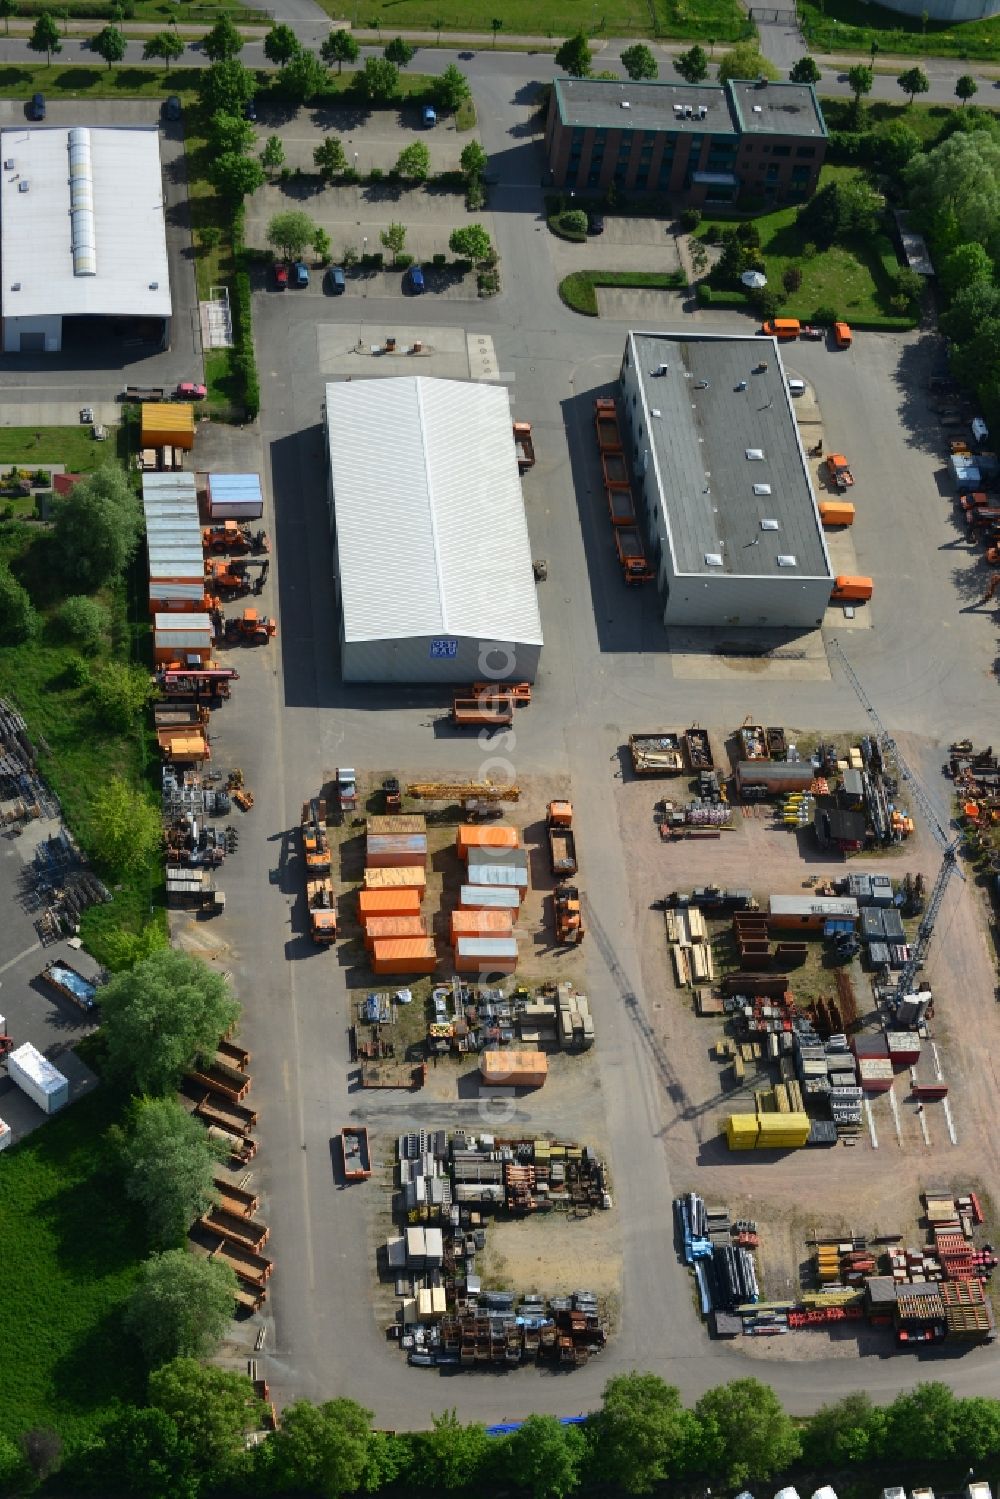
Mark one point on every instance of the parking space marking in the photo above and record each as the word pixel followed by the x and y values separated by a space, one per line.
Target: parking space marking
pixel 26 954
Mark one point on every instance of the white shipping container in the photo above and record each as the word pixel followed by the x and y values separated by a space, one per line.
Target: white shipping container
pixel 36 1076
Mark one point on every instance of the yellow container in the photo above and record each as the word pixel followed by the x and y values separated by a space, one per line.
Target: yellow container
pixel 742 1131
pixel 167 425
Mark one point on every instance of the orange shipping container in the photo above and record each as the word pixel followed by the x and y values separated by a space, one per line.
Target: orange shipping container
pixel 166 425
pixel 404 955
pixel 397 902
pixel 498 836
pixel 481 924
pixel 378 928
pixel 514 1069
pixel 391 879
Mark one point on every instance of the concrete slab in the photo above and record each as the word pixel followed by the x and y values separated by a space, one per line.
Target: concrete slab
pixel 731 655
pixel 22 1115
pixel 646 308
pixel 345 351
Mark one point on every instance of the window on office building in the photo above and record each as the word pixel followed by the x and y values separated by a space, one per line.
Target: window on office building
pixel 781 150
pixel 805 151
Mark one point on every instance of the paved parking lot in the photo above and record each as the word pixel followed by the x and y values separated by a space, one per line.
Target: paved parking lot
pixel 371 139
pixel 356 216
pixel 31 1011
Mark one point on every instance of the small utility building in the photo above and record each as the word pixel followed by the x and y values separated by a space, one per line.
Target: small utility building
pixel 431 549
pixel 82 235
pixel 726 497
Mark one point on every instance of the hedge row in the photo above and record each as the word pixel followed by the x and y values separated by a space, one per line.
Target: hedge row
pixel 244 359
pixel 709 296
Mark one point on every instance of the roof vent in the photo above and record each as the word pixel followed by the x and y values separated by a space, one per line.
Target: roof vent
pixel 785 559
pixel 755 455
pixel 769 525
pixel 762 489
pixel 661 369
pixel 154 286
pixel 713 559
pixel 15 286
pixel 655 411
pixel 81 203
pixel 678 109
pixel 8 165
pixel 761 81
pixel 757 109
pixel 23 185
pixel 625 104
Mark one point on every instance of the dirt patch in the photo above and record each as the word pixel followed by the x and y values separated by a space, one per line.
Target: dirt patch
pixel 555 1253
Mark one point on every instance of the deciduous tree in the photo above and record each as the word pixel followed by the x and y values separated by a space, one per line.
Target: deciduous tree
pixel 45 36
pixel 230 132
pixel 805 70
pixel 123 829
pixel 273 155
pixel 121 694
pixel 237 176
pixel 965 88
pixel 473 159
pixel 330 157
pixel 745 61
pixel 639 62
pixel 955 189
pixel 211 1408
pixel 8 8
pixel 414 162
pixel 166 45
pixel 303 77
pixel 223 42
pixel 394 238
pixel 281 45
pixel 399 52
pixel 692 65
pixel 339 47
pixel 227 86
pixel 745 1431
pixel 18 620
pixel 850 1431
pixel 860 81
pixel 290 232
pixel 545 1457
pixel 109 43
pixel 378 80
pixel 97 527
pixel 573 57
pixel 642 1435
pixel 139 1452
pixel 181 1306
pixel 169 1010
pixel 321 245
pixel 321 1449
pixel 169 1164
pixel 913 81
pixel 471 241
pixel 451 88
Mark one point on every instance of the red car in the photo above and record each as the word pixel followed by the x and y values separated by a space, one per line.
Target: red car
pixel 808 332
pixel 190 390
pixel 280 275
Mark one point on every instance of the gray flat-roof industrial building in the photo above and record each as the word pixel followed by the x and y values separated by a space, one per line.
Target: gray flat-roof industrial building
pixel 431 550
pixel 728 504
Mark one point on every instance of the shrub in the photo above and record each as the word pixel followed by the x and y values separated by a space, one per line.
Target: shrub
pixel 574 220
pixel 18 620
pixel 690 219
pixel 403 261
pixel 439 260
pixel 475 194
pixel 83 620
pixel 791 278
pixel 825 316
pixel 376 175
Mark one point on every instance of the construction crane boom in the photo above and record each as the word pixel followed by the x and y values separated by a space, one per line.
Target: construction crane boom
pixel 456 791
pixel 949 844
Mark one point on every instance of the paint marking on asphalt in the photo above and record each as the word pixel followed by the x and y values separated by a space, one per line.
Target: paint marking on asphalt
pixel 26 954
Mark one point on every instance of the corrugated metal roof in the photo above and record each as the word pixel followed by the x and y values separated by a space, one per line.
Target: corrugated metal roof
pixel 234 487
pixel 199 622
pixel 431 534
pixel 124 270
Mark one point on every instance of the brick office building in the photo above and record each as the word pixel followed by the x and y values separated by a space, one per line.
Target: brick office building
pixel 704 142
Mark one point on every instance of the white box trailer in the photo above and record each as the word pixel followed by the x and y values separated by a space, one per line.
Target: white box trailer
pixel 235 497
pixel 36 1076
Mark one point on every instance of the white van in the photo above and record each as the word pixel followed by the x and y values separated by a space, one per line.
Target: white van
pixel 797 387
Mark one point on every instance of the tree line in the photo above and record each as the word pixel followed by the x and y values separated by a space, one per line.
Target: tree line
pixel 188 1441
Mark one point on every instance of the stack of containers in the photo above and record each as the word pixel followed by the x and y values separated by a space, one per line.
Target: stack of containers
pixel 742 1131
pixel 782 1131
pixel 389 906
pixel 482 929
pixel 182 637
pixel 173 542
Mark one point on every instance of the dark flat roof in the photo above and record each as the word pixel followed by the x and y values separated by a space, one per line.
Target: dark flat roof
pixel 742 107
pixel 777 108
pixel 599 103
pixel 700 437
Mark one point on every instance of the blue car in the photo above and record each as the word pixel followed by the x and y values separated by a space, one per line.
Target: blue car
pixel 429 116
pixel 416 280
pixel 335 281
pixel 300 274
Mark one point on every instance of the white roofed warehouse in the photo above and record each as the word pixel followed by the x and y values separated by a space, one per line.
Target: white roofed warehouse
pixel 727 501
pixel 82 234
pixel 431 548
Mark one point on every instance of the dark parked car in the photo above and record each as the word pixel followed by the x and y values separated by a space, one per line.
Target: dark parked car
pixel 595 223
pixel 36 109
pixel 250 110
pixel 300 273
pixel 415 278
pixel 172 108
pixel 335 281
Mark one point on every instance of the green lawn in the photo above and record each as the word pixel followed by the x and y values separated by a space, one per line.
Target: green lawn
pixel 74 80
pixel 850 280
pixel 925 120
pixel 852 26
pixel 161 12
pixel 70 1246
pixel 579 289
pixel 721 20
pixel 73 447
